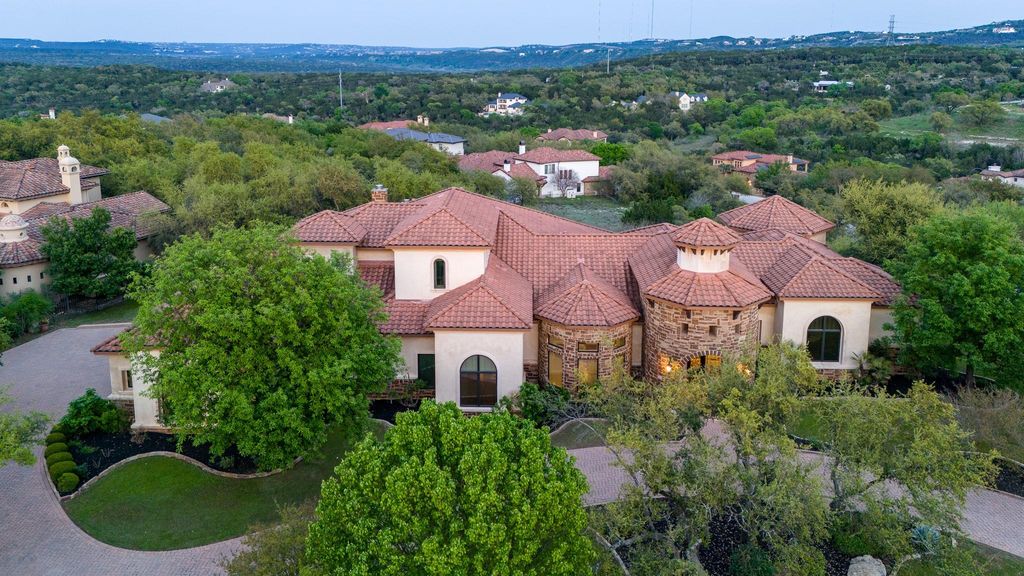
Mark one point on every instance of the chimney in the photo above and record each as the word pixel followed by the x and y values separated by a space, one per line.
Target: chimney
pixel 595 134
pixel 522 147
pixel 426 120
pixel 419 119
pixel 53 113
pixel 507 167
pixel 995 168
pixel 70 174
pixel 291 119
pixel 379 193
pixel 789 158
pixel 549 130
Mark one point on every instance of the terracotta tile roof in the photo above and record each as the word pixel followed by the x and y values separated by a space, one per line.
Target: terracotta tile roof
pixel 439 228
pixel 801 273
pixel 111 345
pixel 132 211
pixel 329 226
pixel 380 274
pixel 582 298
pixel 384 126
pixel 522 171
pixel 654 267
pixel 570 134
pixel 405 317
pixel 485 161
pixel 23 253
pixel 603 173
pixel 380 218
pixel 39 177
pixel 500 299
pixel 551 155
pixel 705 233
pixel 778 213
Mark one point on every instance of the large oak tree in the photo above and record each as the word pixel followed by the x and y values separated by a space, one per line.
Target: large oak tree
pixel 260 345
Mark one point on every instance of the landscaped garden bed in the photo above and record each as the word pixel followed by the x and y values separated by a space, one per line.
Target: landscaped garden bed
pixel 1010 478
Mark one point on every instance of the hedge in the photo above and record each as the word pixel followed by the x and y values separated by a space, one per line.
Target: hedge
pixel 59 457
pixel 60 468
pixel 55 448
pixel 54 437
pixel 67 482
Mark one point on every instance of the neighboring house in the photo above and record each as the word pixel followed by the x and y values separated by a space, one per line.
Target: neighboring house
pixel 289 119
pixel 153 118
pixel 559 173
pixel 570 135
pixel 215 86
pixel 506 104
pixel 750 163
pixel 823 86
pixel 686 101
pixel 34 191
pixel 997 174
pixel 485 295
pixel 1004 30
pixel 420 121
pixel 51 114
pixel 449 143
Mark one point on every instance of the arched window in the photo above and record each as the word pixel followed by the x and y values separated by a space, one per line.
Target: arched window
pixel 824 339
pixel 478 382
pixel 440 275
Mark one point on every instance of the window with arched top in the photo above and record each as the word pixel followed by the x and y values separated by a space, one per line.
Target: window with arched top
pixel 440 274
pixel 824 339
pixel 478 382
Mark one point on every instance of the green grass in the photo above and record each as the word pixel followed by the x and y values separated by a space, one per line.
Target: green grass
pixel 599 211
pixel 993 563
pixel 578 435
pixel 123 312
pixel 161 503
pixel 1011 127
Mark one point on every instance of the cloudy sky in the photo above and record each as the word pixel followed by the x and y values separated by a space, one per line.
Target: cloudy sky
pixel 446 23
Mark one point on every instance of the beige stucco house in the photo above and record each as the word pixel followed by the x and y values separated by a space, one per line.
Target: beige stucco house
pixel 34 191
pixel 485 294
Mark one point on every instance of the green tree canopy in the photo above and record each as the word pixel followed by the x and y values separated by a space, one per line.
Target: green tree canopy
pixel 962 303
pixel 261 346
pixel 87 257
pixel 18 433
pixel 882 213
pixel 445 494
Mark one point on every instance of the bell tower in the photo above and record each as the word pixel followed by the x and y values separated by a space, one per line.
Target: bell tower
pixel 70 174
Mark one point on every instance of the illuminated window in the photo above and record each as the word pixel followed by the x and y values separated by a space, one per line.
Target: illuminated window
pixel 587 369
pixel 705 361
pixel 619 342
pixel 554 368
pixel 588 346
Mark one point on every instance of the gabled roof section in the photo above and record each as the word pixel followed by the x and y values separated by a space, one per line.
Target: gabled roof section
pixel 331 227
pixel 129 211
pixel 547 155
pixel 39 177
pixel 705 233
pixel 438 228
pixel 582 298
pixel 801 273
pixel 501 299
pixel 486 161
pixel 775 212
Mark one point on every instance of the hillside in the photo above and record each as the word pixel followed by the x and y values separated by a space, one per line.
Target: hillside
pixel 334 57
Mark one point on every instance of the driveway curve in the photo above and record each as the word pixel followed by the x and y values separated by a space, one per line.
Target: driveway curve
pixel 36 536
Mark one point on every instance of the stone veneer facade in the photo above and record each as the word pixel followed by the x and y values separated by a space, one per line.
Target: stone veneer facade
pixel 604 337
pixel 674 334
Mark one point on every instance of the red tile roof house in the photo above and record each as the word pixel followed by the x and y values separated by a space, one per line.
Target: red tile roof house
pixel 570 135
pixel 485 295
pixel 34 191
pixel 559 173
pixel 750 163
pixel 997 174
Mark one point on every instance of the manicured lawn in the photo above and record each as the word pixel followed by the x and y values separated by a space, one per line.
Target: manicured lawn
pixel 600 211
pixel 161 503
pixel 578 435
pixel 123 312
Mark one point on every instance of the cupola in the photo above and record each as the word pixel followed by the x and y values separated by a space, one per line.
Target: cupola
pixel 13 228
pixel 704 246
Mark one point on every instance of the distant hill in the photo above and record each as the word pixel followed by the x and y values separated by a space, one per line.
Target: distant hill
pixel 331 57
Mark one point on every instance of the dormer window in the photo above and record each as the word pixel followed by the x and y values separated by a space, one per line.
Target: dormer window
pixel 440 275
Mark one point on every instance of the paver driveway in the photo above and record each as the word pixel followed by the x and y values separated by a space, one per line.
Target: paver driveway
pixel 36 537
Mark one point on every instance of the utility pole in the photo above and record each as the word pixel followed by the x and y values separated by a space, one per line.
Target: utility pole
pixel 341 93
pixel 652 20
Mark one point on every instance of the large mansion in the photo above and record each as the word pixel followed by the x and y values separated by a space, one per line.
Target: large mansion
pixel 557 173
pixel 34 191
pixel 485 295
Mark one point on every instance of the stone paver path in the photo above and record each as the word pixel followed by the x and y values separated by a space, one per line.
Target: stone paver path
pixel 36 537
pixel 992 518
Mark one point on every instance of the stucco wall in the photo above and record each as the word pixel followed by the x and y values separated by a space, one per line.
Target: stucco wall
pixel 795 316
pixel 766 317
pixel 116 364
pixel 879 318
pixel 583 170
pixel 451 348
pixel 16 279
pixel 375 254
pixel 412 346
pixel 147 409
pixel 414 270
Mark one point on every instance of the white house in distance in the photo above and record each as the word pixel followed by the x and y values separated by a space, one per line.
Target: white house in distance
pixel 506 104
pixel 686 101
pixel 997 174
pixel 485 294
pixel 559 173
pixel 216 86
pixel 34 191
pixel 409 130
pixel 823 86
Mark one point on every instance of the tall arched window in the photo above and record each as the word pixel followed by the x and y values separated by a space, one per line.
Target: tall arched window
pixel 478 382
pixel 440 275
pixel 824 339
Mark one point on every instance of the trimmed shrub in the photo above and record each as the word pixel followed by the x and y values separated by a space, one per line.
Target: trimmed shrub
pixel 55 448
pixel 61 468
pixel 90 413
pixel 67 482
pixel 54 437
pixel 848 538
pixel 59 457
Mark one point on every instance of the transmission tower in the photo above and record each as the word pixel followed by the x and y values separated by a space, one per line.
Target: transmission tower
pixel 892 28
pixel 341 93
pixel 652 20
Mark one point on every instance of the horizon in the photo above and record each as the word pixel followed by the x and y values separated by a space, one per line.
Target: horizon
pixel 590 21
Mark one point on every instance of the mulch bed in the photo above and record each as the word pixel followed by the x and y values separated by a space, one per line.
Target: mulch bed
pixel 726 537
pixel 1010 478
pixel 388 409
pixel 105 450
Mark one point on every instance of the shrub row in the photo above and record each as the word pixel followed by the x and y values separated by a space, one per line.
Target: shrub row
pixel 60 463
